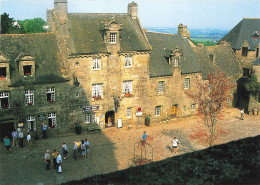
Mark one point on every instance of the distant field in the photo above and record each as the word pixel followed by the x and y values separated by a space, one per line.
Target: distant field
pixel 205 41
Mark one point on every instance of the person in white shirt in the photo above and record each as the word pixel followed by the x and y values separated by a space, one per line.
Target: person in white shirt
pixel 28 137
pixel 59 161
pixel 175 143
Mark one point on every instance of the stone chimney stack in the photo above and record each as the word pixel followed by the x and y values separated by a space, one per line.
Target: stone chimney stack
pixel 61 9
pixel 182 30
pixel 133 10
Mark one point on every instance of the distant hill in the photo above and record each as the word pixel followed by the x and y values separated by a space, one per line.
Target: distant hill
pixel 235 163
pixel 203 33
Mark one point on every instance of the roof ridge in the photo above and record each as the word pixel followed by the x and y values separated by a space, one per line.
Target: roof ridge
pixel 161 33
pixel 25 34
pixel 250 18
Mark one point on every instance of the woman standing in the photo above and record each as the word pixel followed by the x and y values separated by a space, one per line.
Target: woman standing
pixel 64 150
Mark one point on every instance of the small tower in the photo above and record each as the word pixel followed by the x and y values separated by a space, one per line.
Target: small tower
pixel 182 30
pixel 133 10
pixel 61 9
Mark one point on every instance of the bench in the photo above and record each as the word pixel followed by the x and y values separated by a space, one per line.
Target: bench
pixel 92 127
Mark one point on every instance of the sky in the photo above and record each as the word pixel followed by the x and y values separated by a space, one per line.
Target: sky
pixel 222 14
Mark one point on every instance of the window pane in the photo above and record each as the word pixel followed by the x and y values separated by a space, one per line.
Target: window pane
pixel 160 86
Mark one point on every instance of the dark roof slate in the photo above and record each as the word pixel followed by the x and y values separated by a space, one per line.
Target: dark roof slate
pixel 87 32
pixel 41 47
pixel 162 44
pixel 223 59
pixel 243 31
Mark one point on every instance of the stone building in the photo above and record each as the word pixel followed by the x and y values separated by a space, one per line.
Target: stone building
pixel 244 40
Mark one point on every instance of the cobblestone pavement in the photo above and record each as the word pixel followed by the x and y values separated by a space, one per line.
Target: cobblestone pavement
pixel 113 149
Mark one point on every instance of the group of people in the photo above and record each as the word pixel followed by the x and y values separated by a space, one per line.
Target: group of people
pixel 16 136
pixel 78 147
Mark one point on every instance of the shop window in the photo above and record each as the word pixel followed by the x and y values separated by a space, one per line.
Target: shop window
pixel 3 74
pixel 4 100
pixel 31 124
pixel 51 94
pixel 52 120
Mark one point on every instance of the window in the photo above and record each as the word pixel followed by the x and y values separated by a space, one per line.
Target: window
pixel 184 109
pixel 112 38
pixel 257 52
pixel 4 100
pixel 97 92
pixel 128 61
pixel 187 83
pixel 176 62
pixel 244 51
pixel 3 74
pixel 27 70
pixel 193 106
pixel 51 94
pixel 29 100
pixel 129 112
pixel 87 118
pixel 157 111
pixel 160 86
pixel 93 118
pixel 127 87
pixel 96 64
pixel 52 119
pixel 31 125
pixel 77 64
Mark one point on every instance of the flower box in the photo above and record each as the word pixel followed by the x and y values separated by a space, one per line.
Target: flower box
pixel 128 95
pixel 97 97
pixel 29 104
pixel 2 77
pixel 27 75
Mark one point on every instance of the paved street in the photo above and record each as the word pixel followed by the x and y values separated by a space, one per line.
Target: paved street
pixel 113 149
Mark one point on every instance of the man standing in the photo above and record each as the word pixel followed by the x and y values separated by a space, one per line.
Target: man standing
pixel 242 113
pixel 44 130
pixel 59 161
pixel 175 142
pixel 54 159
pixel 20 136
pixel 15 136
pixel 47 159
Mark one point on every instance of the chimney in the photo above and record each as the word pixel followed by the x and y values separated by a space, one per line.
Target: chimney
pixel 61 9
pixel 133 10
pixel 182 30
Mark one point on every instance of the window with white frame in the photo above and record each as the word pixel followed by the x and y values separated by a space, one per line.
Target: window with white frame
pixel 4 100
pixel 128 61
pixel 176 62
pixel 112 38
pixel 52 119
pixel 93 118
pixel 31 124
pixel 193 106
pixel 129 112
pixel 29 99
pixel 157 111
pixel 87 118
pixel 127 87
pixel 187 83
pixel 160 86
pixel 96 64
pixel 51 94
pixel 97 91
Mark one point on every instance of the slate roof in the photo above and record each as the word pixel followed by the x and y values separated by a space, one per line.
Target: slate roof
pixel 41 47
pixel 223 59
pixel 87 32
pixel 162 44
pixel 243 31
pixel 257 62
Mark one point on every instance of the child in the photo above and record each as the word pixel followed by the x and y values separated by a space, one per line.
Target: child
pixel 28 137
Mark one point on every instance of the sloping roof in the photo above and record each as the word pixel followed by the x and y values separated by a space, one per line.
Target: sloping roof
pixel 41 47
pixel 87 32
pixel 162 44
pixel 221 57
pixel 243 31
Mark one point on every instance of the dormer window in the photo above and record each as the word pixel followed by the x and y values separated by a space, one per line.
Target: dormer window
pixel 27 70
pixel 112 38
pixel 244 51
pixel 3 74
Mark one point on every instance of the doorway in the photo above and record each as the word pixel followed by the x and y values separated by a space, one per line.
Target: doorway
pixel 110 119
pixel 174 110
pixel 6 130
